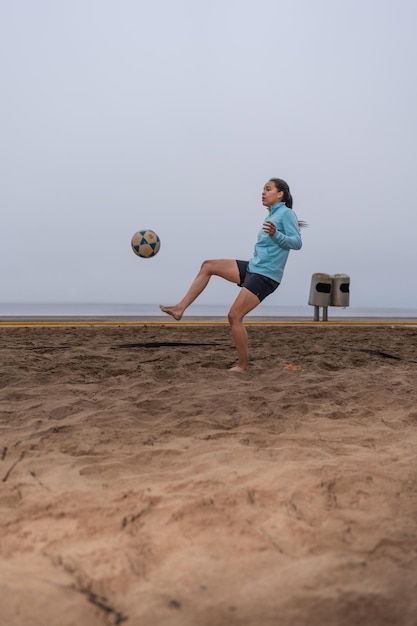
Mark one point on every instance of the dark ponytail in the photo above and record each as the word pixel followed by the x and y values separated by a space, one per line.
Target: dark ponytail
pixel 281 185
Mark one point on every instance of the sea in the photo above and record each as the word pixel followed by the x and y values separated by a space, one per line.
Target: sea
pixel 134 310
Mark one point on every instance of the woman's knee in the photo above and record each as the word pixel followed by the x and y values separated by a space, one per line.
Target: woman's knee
pixel 207 267
pixel 234 317
pixel 215 267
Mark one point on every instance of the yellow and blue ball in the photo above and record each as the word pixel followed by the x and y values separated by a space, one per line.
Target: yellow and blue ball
pixel 146 243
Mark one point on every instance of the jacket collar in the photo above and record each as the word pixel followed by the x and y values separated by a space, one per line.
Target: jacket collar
pixel 276 206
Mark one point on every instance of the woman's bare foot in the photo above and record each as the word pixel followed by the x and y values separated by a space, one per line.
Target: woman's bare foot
pixel 172 310
pixel 237 368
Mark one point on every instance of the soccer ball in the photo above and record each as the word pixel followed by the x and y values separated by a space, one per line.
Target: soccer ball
pixel 146 243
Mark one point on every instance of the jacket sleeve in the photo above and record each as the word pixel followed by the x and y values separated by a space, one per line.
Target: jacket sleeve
pixel 288 236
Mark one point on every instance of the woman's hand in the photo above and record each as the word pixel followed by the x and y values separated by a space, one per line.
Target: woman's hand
pixel 269 228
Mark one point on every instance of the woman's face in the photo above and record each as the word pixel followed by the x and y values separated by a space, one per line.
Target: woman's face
pixel 271 195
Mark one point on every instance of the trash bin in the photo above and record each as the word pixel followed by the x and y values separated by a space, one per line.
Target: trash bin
pixel 340 290
pixel 320 290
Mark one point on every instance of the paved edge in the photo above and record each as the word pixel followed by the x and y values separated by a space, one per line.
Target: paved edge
pixel 77 322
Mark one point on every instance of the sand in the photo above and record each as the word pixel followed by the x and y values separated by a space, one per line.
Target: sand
pixel 142 483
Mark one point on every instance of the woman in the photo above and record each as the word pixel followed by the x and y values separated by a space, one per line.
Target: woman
pixel 258 277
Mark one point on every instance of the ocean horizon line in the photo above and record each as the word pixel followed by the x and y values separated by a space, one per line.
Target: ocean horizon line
pixel 84 309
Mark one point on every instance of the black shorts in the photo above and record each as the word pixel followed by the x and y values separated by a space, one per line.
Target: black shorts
pixel 261 286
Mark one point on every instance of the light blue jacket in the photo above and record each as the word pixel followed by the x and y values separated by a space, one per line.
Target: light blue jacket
pixel 271 252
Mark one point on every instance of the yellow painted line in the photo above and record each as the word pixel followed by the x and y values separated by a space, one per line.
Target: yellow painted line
pixel 70 323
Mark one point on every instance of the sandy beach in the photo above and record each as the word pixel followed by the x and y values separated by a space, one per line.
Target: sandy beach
pixel 142 483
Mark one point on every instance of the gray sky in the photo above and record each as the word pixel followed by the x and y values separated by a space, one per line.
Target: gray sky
pixel 172 114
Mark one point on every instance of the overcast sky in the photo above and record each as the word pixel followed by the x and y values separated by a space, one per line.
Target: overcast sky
pixel 119 115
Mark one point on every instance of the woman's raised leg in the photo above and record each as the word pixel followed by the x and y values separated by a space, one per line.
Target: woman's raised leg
pixel 225 268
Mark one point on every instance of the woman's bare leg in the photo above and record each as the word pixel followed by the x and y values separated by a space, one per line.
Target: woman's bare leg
pixel 225 268
pixel 245 302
